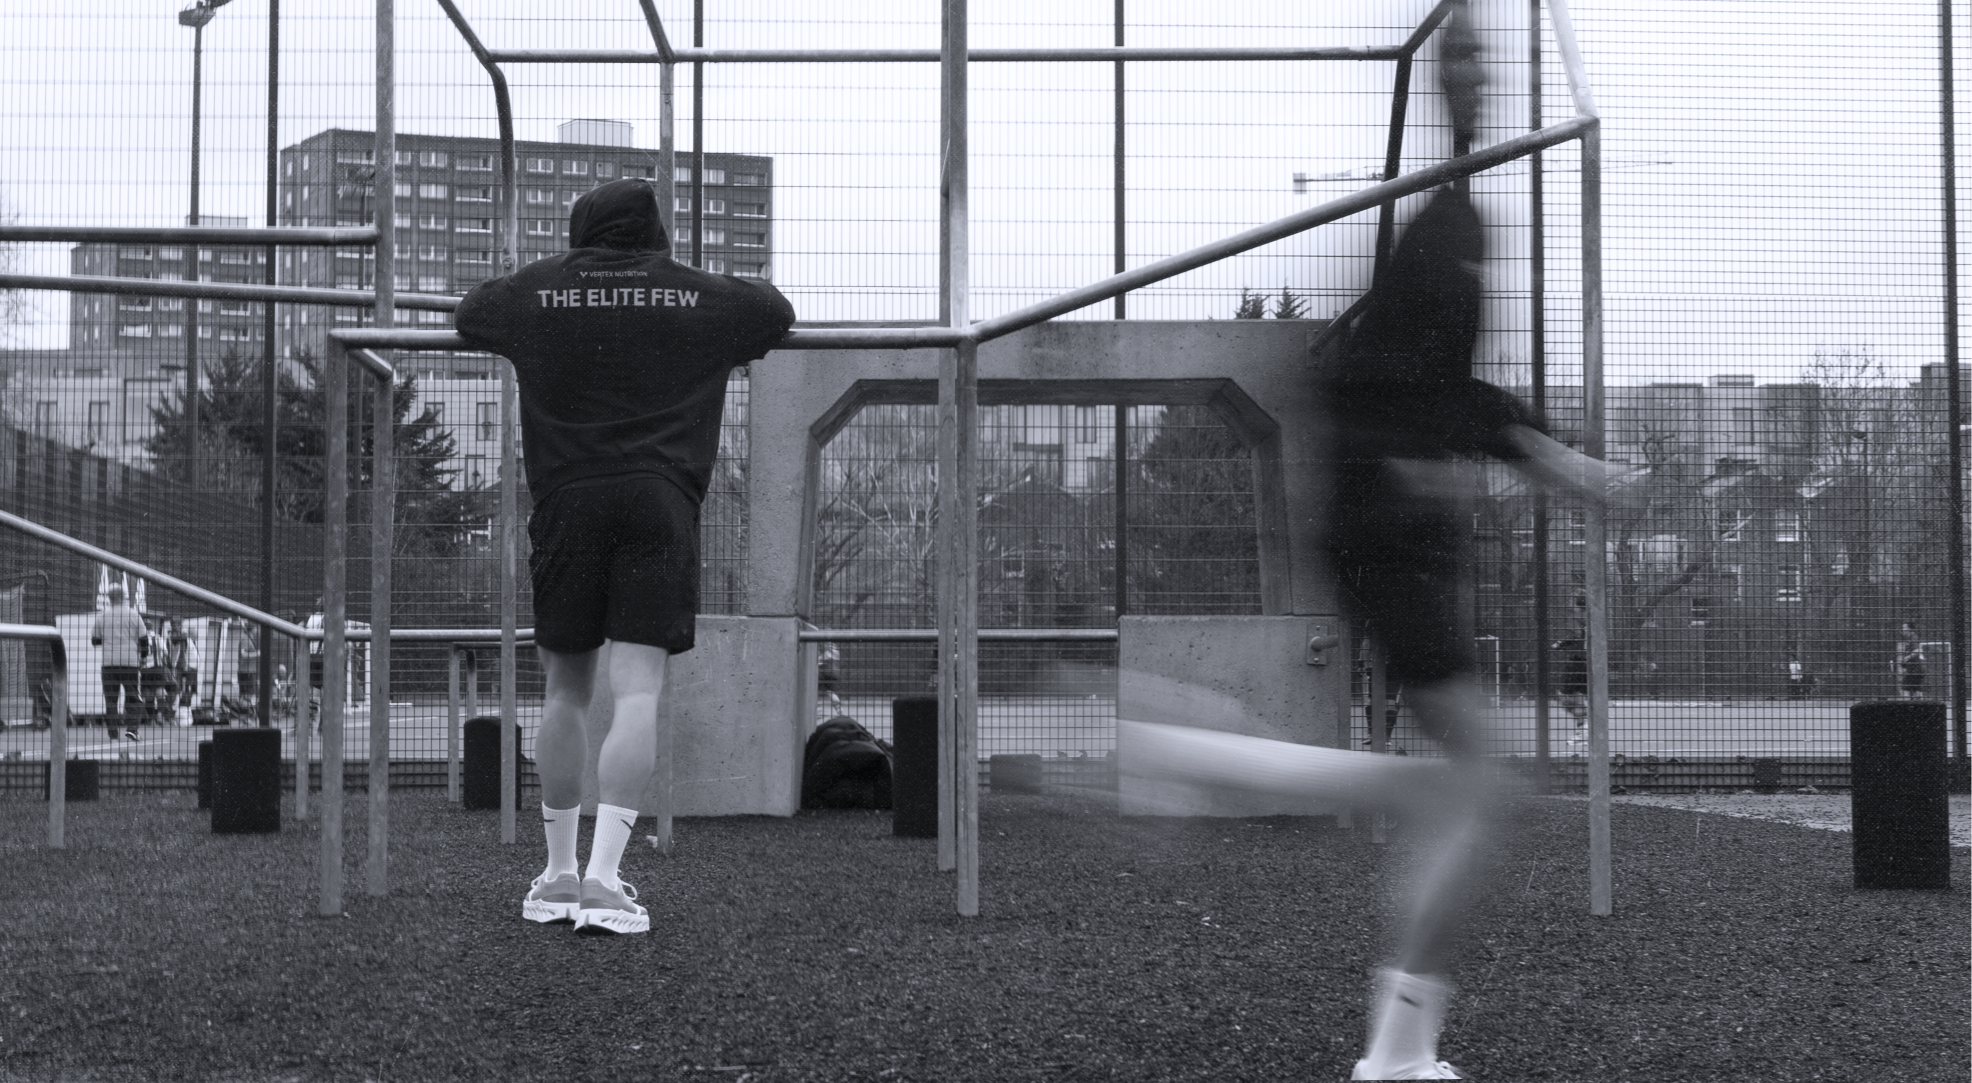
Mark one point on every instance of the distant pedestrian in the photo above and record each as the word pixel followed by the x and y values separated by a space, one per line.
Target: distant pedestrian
pixel 122 634
pixel 248 666
pixel 186 658
pixel 828 679
pixel 159 679
pixel 1910 662
pixel 1571 685
pixel 1798 680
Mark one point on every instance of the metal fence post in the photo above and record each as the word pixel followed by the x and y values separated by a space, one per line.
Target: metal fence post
pixel 335 552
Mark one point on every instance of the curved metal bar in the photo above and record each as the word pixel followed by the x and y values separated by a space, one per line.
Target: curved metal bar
pixel 1571 59
pixel 260 235
pixel 383 370
pixel 217 601
pixel 1170 267
pixel 242 291
pixel 925 56
pixel 665 54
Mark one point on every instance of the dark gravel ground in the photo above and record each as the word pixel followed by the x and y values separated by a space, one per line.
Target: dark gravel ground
pixel 823 948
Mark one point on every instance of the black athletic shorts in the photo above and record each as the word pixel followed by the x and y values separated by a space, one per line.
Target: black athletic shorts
pixel 1412 610
pixel 617 559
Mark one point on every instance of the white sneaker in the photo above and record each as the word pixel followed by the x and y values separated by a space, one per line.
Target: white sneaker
pixel 605 910
pixel 1437 1070
pixel 552 901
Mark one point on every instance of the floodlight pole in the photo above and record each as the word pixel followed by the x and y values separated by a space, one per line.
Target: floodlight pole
pixel 383 474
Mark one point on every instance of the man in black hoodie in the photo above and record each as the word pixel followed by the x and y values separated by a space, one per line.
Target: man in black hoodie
pixel 622 356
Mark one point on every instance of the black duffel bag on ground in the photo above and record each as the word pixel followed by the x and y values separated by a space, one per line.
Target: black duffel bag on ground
pixel 845 766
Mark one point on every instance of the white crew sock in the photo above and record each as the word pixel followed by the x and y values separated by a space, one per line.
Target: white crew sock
pixel 1404 1032
pixel 613 825
pixel 560 825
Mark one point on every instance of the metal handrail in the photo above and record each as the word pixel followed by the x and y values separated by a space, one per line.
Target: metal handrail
pixel 930 635
pixel 1104 53
pixel 819 338
pixel 57 724
pixel 230 235
pixel 238 291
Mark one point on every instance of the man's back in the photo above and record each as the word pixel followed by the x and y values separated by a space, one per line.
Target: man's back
pixel 119 629
pixel 621 353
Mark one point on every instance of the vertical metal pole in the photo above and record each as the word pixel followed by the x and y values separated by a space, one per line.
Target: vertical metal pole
pixel 1594 548
pixel 192 275
pixel 57 745
pixel 335 552
pixel 269 385
pixel 1961 619
pixel 1119 240
pixel 452 725
pixel 698 137
pixel 667 153
pixel 1537 352
pixel 383 474
pixel 958 409
pixel 1379 713
pixel 509 596
pixel 1122 510
pixel 304 729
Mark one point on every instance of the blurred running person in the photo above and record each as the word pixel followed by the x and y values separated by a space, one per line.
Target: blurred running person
pixel 1571 686
pixel 124 639
pixel 622 356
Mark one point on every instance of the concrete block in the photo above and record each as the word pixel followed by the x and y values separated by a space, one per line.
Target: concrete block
pixel 737 733
pixel 1250 675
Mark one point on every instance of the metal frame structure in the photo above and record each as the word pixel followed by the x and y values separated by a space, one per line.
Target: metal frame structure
pixel 956 335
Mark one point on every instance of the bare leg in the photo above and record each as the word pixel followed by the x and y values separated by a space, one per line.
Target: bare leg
pixel 1456 824
pixel 629 752
pixel 562 746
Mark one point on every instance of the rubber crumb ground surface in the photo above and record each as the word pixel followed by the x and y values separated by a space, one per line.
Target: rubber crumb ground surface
pixel 1824 811
pixel 823 948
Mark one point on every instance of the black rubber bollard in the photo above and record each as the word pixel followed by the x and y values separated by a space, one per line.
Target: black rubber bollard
pixel 205 774
pixel 914 766
pixel 480 771
pixel 1014 773
pixel 246 781
pixel 1897 782
pixel 80 779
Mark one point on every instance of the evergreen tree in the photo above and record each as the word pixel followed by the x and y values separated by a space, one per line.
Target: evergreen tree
pixel 1289 307
pixel 1252 306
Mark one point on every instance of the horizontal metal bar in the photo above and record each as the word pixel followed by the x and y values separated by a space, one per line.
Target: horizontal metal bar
pixel 930 635
pixel 354 236
pixel 1097 54
pixel 30 631
pixel 1571 59
pixel 217 601
pixel 820 338
pixel 239 291
pixel 1429 177
pixel 435 635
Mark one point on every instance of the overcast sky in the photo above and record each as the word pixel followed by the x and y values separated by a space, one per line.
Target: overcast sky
pixel 1775 186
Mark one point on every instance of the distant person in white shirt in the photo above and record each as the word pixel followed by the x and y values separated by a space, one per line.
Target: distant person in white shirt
pixel 121 633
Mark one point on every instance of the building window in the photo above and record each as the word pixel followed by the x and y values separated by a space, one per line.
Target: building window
pixel 235 308
pixel 358 157
pixel 401 221
pixel 715 176
pixel 750 180
pixel 403 157
pixel 472 255
pixel 750 270
pixel 489 421
pixel 540 165
pixel 403 190
pixel 750 240
pixel 682 204
pixel 346 253
pixel 475 163
pixel 434 253
pixel 637 172
pixel 134 330
pixel 605 169
pixel 540 195
pixel 171 304
pixel 575 169
pixel 1731 521
pixel 44 418
pixel 235 257
pixel 433 158
pixel 171 253
pixel 476 194
pixel 540 227
pixel 171 330
pixel 433 221
pixel 132 251
pixel 715 206
pixel 134 304
pixel 749 210
pixel 716 266
pixel 99 421
pixel 434 283
pixel 714 235
pixel 437 191
pixel 1790 584
pixel 1787 526
pixel 475 225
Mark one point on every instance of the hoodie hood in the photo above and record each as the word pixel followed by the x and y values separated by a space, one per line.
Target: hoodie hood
pixel 621 215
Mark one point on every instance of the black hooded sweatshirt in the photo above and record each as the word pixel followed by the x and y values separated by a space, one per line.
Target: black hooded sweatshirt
pixel 621 353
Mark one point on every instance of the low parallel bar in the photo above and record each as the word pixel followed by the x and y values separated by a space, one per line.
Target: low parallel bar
pixel 1096 54
pixel 256 235
pixel 231 291
pixel 57 725
pixel 930 635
